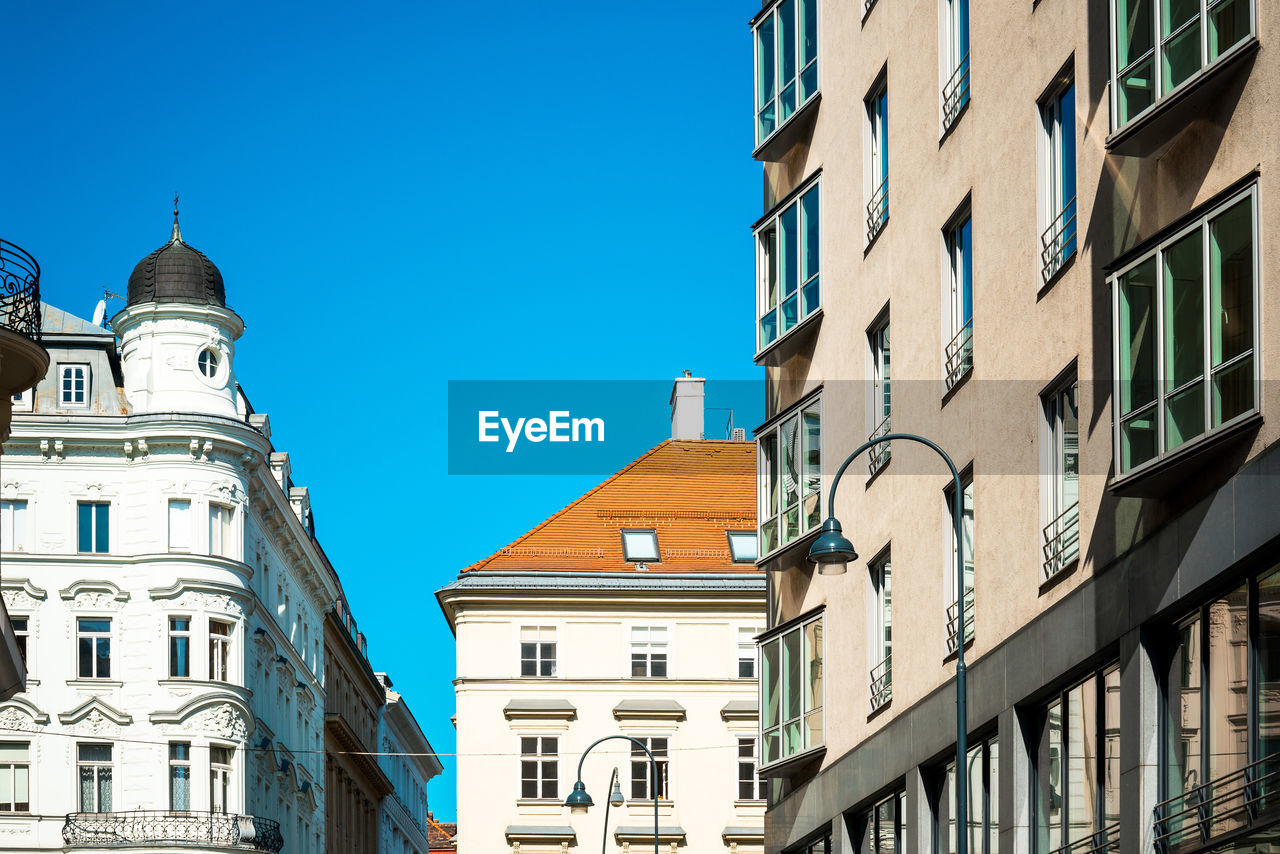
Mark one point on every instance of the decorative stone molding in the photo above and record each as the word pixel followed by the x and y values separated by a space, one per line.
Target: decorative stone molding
pixel 95 717
pixel 220 715
pixel 20 714
pixel 51 449
pixel 206 595
pixel 94 594
pixel 21 595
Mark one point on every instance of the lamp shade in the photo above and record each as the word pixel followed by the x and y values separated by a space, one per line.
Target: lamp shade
pixel 615 797
pixel 578 801
pixel 832 551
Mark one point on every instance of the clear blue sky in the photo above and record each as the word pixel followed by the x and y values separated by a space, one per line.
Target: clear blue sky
pixel 398 195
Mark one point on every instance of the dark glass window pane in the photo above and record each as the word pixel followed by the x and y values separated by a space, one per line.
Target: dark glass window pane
pixel 179 657
pixel 104 657
pixel 84 527
pixel 86 657
pixel 659 665
pixel 639 664
pixel 101 543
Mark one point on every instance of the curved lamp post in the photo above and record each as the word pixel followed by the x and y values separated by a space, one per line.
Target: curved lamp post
pixel 579 801
pixel 832 552
pixel 615 800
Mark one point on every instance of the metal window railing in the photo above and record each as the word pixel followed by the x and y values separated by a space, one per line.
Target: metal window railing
pixel 959 354
pixel 19 291
pixel 1058 242
pixel 144 828
pixel 882 682
pixel 1230 802
pixel 1061 541
pixel 953 620
pixel 878 210
pixel 1104 841
pixel 880 454
pixel 955 93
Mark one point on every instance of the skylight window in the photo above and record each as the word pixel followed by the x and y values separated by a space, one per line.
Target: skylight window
pixel 742 546
pixel 640 546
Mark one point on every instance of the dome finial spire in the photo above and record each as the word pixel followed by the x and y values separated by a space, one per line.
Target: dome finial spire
pixel 177 232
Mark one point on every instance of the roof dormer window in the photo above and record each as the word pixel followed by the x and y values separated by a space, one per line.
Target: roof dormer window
pixel 640 546
pixel 73 384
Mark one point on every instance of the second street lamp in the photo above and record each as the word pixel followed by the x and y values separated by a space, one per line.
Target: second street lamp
pixel 832 552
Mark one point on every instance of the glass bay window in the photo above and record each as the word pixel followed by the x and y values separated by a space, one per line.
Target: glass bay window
pixel 791 687
pixel 787 261
pixel 786 48
pixel 790 481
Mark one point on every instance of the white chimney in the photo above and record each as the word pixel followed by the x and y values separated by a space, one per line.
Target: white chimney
pixel 686 407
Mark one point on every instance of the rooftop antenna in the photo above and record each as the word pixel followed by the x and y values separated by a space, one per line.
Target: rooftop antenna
pixel 177 232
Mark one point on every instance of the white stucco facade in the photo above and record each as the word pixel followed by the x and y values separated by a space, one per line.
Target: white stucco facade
pixel 406 757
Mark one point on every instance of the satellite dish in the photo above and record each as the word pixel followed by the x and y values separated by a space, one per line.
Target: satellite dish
pixel 99 311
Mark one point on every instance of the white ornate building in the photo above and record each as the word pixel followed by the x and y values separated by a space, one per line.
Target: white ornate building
pixel 409 762
pixel 163 576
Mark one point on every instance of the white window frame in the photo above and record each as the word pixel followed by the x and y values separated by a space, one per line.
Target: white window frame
pixel 96 765
pixel 1060 510
pixel 1161 391
pixel 649 642
pixel 757 787
pixel 15 524
pixel 637 536
pixel 879 408
pixel 94 526
pixel 24 401
pixel 770 16
pixel 220 645
pixel 1156 53
pixel 661 756
pixel 221 529
pixel 67 385
pixel 776 722
pixel 179 524
pixel 94 637
pixel 734 551
pixel 540 638
pixel 958 353
pixel 880 625
pixel 545 766
pixel 810 481
pixel 221 775
pixel 949 575
pixel 875 108
pixel 175 764
pixel 954 61
pixel 9 768
pixel 1059 220
pixel 770 279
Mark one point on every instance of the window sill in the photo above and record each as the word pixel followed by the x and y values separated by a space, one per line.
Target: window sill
pixel 1058 273
pixel 784 557
pixel 791 764
pixel 789 132
pixel 791 341
pixel 953 654
pixel 91 682
pixel 1058 577
pixel 879 710
pixel 539 802
pixel 1157 477
pixel 1164 120
pixel 956 386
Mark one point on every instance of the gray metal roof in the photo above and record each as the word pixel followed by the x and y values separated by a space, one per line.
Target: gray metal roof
pixel 539 705
pixel 647 830
pixel 743 831
pixel 655 705
pixel 740 707
pixel 602 581
pixel 540 830
pixel 176 272
pixel 55 321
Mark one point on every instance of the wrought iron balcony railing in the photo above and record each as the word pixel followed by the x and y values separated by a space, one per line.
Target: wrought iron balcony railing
pixel 1058 241
pixel 1231 802
pixel 878 210
pixel 878 455
pixel 1061 541
pixel 1104 841
pixel 142 828
pixel 953 621
pixel 955 93
pixel 882 682
pixel 959 354
pixel 19 291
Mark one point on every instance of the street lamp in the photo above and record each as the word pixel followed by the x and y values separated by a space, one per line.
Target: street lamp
pixel 579 801
pixel 832 552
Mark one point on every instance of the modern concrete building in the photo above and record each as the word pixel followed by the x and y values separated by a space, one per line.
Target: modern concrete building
pixel 1056 211
pixel 632 611
pixel 408 760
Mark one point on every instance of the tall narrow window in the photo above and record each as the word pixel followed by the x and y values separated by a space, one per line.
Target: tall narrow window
pixel 93 636
pixel 1058 189
pixel 791 689
pixel 881 625
pixel 219 778
pixel 643 784
pixel 786 47
pixel 959 350
pixel 955 60
pixel 747 651
pixel 219 651
pixel 539 767
pixel 877 109
pixel 884 825
pixel 93 766
pixel 220 530
pixel 179 776
pixel 787 266
pixel 751 786
pixel 878 338
pixel 789 456
pixel 21 634
pixel 13 526
pixel 953 612
pixel 984 802
pixel 179 525
pixel 15 776
pixel 537 650
pixel 1062 474
pixel 179 647
pixel 74 386
pixel 1185 335
pixel 93 527
pixel 649 651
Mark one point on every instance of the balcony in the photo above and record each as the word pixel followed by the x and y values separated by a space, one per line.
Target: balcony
pixel 147 829
pixel 882 683
pixel 19 291
pixel 1233 804
pixel 958 356
pixel 1061 542
pixel 877 211
pixel 1104 841
pixel 955 94
pixel 953 620
pixel 1058 242
pixel 880 454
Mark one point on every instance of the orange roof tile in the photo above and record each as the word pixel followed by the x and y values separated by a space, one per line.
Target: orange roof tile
pixel 689 492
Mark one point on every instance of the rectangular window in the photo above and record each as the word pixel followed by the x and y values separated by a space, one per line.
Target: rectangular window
pixel 786 48
pixel 13 526
pixel 179 776
pixel 959 350
pixel 792 691
pixel 539 767
pixel 949 577
pixel 787 265
pixel 955 60
pixel 640 546
pixel 1186 335
pixel 743 547
pixel 789 456
pixel 1077 767
pixel 537 650
pixel 881 625
pixel 179 525
pixel 219 778
pixel 220 530
pixel 24 401
pixel 74 385
pixel 751 786
pixel 1162 44
pixel 93 636
pixel 878 339
pixel 642 782
pixel 877 110
pixel 93 766
pixel 747 651
pixel 15 776
pixel 649 651
pixel 1058 184
pixel 1061 461
pixel 21 634
pixel 179 647
pixel 93 527
pixel 884 825
pixel 984 802
pixel 220 651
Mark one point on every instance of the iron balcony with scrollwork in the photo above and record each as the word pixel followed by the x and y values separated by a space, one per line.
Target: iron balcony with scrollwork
pixel 148 828
pixel 19 291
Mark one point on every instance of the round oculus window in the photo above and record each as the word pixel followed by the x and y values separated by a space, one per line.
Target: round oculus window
pixel 208 362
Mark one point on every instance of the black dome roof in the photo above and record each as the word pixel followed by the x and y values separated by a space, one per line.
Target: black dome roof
pixel 176 272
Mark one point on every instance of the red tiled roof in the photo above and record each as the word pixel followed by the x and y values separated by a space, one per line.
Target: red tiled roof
pixel 440 835
pixel 689 492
